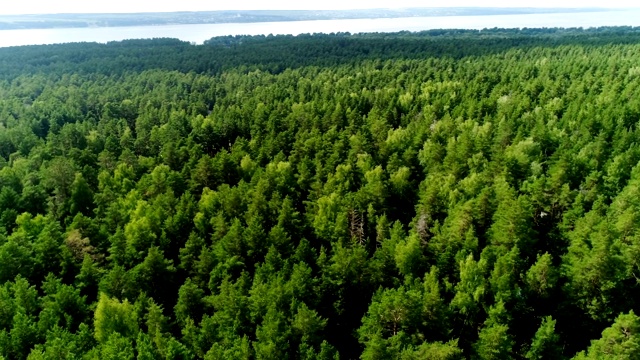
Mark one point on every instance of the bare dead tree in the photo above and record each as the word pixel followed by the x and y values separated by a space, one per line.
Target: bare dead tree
pixel 422 227
pixel 356 225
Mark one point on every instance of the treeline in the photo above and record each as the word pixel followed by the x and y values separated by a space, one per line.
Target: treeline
pixel 439 207
pixel 278 53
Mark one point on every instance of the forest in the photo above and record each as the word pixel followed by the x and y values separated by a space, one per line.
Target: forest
pixel 449 194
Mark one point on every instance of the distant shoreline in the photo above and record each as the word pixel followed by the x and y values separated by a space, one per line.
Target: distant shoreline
pixel 199 33
pixel 71 21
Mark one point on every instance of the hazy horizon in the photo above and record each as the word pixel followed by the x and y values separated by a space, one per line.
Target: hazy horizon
pixel 198 33
pixel 40 7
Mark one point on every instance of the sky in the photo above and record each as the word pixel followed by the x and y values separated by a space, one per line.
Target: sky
pixel 8 7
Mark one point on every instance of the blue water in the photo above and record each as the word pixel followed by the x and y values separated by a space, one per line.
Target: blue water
pixel 199 33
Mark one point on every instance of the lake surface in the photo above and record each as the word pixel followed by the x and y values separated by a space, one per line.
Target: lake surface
pixel 201 32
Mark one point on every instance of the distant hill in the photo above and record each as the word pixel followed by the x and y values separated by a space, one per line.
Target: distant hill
pixel 217 17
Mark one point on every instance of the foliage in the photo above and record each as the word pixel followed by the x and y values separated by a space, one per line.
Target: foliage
pixel 444 195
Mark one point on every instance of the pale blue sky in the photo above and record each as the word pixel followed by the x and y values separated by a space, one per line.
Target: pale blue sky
pixel 89 6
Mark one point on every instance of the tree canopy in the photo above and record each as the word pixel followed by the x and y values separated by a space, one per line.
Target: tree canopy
pixel 444 195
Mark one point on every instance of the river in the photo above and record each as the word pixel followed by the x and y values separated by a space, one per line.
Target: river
pixel 199 33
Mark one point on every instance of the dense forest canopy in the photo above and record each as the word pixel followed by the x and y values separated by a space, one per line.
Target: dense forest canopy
pixel 440 195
